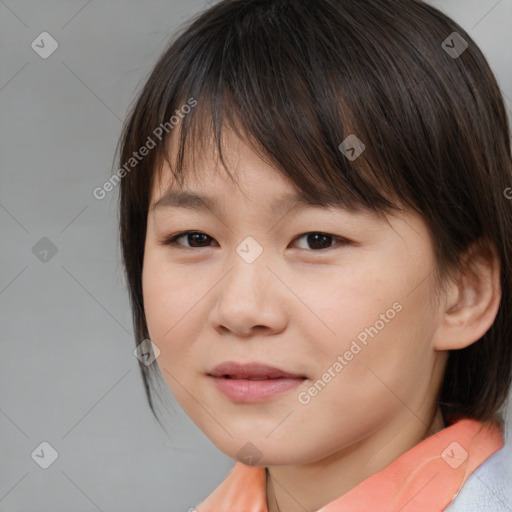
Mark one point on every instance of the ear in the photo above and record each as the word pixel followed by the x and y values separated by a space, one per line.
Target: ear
pixel 471 301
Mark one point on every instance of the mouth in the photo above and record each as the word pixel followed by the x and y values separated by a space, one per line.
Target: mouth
pixel 253 382
pixel 251 371
pixel 250 377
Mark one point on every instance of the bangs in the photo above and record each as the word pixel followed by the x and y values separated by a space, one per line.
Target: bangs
pixel 293 113
pixel 316 166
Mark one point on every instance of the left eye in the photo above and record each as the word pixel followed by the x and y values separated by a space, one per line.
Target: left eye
pixel 316 240
pixel 196 236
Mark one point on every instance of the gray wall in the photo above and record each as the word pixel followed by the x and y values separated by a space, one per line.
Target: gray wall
pixel 68 374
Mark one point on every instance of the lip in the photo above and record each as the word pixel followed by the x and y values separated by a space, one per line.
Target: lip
pixel 248 370
pixel 252 382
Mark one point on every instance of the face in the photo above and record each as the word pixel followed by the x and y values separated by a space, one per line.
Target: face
pixel 340 303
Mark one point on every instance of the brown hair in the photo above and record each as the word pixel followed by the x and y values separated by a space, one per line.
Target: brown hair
pixel 295 78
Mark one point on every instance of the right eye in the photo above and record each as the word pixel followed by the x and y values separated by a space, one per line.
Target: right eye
pixel 194 238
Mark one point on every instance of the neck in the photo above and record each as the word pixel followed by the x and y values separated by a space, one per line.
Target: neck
pixel 309 487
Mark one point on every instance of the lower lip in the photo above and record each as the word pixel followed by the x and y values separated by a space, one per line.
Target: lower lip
pixel 250 391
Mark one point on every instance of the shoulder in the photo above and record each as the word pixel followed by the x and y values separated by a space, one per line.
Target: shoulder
pixel 489 488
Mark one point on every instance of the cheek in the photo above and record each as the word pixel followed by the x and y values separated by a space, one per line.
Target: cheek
pixel 171 329
pixel 168 293
pixel 164 302
pixel 174 312
pixel 157 297
pixel 384 340
pixel 375 321
pixel 348 303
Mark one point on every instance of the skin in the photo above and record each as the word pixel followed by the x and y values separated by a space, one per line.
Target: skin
pixel 299 308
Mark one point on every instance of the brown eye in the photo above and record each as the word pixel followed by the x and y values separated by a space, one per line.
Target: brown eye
pixel 318 241
pixel 194 239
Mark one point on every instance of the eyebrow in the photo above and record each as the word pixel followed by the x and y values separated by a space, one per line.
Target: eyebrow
pixel 195 201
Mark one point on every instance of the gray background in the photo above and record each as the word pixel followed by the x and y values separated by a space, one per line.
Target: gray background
pixel 68 374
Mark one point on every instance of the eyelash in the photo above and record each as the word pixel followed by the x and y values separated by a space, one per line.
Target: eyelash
pixel 171 240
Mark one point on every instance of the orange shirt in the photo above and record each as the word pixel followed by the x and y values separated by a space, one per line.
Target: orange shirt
pixel 426 478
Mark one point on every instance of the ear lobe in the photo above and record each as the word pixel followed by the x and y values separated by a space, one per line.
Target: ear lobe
pixel 472 300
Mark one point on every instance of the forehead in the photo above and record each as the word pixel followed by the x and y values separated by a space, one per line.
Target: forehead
pixel 205 183
pixel 195 200
pixel 203 174
pixel 273 204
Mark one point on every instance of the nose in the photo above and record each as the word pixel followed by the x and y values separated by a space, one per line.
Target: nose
pixel 250 299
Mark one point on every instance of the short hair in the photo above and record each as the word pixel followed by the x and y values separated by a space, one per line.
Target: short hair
pixel 295 78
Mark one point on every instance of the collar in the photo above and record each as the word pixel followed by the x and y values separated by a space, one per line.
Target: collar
pixel 426 478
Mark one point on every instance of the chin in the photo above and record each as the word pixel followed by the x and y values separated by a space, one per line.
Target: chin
pixel 260 453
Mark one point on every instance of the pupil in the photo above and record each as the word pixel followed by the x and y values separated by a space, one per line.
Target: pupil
pixel 191 235
pixel 314 238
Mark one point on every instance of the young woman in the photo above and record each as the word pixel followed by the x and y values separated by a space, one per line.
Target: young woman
pixel 317 239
